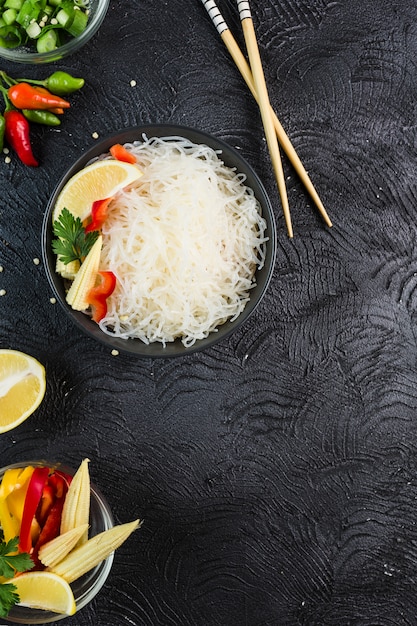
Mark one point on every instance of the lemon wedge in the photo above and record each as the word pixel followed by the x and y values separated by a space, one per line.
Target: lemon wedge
pixel 98 181
pixel 46 591
pixel 22 387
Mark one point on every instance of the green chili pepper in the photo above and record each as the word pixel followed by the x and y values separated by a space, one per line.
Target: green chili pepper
pixel 59 83
pixel 62 83
pixel 2 129
pixel 41 117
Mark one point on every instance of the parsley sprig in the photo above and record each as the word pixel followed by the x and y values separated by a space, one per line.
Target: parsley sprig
pixel 11 562
pixel 72 243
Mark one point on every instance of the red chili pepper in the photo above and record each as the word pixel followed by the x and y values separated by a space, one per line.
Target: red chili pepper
pixel 33 496
pixel 120 153
pixel 98 214
pixel 97 296
pixel 25 96
pixel 17 135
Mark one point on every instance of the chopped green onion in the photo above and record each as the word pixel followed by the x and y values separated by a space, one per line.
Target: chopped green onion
pixel 33 30
pixel 65 18
pixel 48 41
pixel 32 18
pixel 10 36
pixel 79 24
pixel 27 14
pixel 13 4
pixel 9 16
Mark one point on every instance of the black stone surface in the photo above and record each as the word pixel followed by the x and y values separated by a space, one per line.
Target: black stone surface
pixel 275 472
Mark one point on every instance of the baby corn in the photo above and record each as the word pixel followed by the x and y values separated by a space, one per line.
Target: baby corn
pixel 85 278
pixel 67 270
pixel 55 550
pixel 91 553
pixel 76 511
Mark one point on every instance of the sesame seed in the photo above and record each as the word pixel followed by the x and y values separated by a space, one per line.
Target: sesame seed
pixel 2 292
pixel 36 261
pixel 7 160
pixel 52 300
pixel 133 83
pixel 94 135
pixel 114 352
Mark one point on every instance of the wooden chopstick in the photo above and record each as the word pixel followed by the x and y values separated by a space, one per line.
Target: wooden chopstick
pixel 264 105
pixel 243 66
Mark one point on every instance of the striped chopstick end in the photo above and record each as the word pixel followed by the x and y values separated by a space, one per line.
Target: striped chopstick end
pixel 244 9
pixel 215 15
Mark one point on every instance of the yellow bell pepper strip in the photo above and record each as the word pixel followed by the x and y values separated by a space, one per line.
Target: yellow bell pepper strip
pixel 10 481
pixel 12 489
pixel 8 523
pixel 97 296
pixel 33 496
pixel 16 499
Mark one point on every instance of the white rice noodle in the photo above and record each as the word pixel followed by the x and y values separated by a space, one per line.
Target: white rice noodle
pixel 184 242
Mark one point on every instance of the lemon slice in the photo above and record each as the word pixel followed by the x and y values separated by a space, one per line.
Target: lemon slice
pixel 100 180
pixel 46 591
pixel 22 387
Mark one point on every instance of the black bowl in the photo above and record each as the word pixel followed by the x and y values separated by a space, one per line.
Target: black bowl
pixel 231 158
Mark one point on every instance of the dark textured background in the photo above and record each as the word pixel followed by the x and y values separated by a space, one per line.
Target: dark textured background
pixel 275 472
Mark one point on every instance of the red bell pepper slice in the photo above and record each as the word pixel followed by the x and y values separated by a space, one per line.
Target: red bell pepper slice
pixel 98 214
pixel 45 503
pixel 33 496
pixel 60 482
pixel 50 528
pixel 120 153
pixel 97 296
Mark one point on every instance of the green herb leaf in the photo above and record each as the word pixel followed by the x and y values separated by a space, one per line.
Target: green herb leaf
pixel 72 243
pixel 8 598
pixel 11 562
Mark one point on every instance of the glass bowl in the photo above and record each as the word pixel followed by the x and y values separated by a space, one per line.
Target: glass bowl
pixel 232 159
pixel 24 54
pixel 87 586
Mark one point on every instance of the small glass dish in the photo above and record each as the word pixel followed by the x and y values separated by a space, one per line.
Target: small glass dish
pixel 25 54
pixel 86 587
